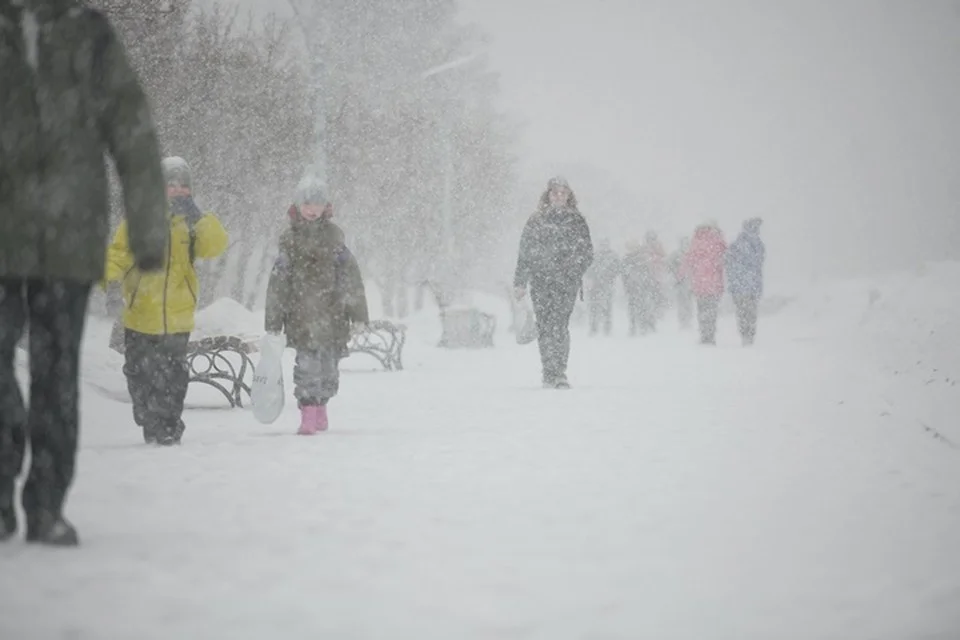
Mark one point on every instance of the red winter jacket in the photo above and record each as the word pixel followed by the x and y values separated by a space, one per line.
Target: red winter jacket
pixel 703 264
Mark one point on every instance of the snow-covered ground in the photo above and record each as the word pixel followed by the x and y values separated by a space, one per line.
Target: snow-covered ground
pixel 792 491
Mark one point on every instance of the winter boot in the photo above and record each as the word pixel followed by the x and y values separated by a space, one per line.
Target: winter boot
pixel 167 434
pixel 556 382
pixel 166 437
pixel 320 418
pixel 308 420
pixel 178 432
pixel 149 435
pixel 52 531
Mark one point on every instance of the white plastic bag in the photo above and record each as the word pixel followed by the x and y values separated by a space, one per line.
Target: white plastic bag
pixel 266 392
pixel 526 323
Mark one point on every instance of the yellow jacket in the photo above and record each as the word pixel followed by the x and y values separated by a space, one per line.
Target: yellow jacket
pixel 164 302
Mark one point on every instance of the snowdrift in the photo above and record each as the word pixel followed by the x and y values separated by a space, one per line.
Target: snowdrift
pixel 899 329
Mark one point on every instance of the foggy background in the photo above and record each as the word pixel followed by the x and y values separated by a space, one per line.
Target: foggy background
pixel 832 120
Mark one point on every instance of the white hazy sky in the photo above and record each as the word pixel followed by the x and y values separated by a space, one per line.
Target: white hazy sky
pixel 836 120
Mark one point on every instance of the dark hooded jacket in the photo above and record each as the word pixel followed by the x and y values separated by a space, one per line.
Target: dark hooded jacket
pixel 67 96
pixel 555 247
pixel 315 289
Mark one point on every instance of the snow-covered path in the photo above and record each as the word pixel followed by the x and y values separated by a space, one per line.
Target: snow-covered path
pixel 675 492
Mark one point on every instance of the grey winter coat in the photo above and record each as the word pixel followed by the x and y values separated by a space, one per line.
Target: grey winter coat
pixel 555 248
pixel 67 96
pixel 315 289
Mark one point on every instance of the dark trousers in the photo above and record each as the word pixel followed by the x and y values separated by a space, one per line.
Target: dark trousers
pixel 55 311
pixel 157 379
pixel 553 304
pixel 708 307
pixel 747 311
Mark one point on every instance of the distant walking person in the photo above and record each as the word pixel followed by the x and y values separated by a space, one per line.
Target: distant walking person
pixel 633 285
pixel 745 277
pixel 703 266
pixel 555 253
pixel 681 285
pixel 652 258
pixel 67 96
pixel 601 277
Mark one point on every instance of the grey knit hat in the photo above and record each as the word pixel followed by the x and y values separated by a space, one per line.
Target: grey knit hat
pixel 311 191
pixel 176 171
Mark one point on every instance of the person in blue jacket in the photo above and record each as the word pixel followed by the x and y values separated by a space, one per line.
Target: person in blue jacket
pixel 745 259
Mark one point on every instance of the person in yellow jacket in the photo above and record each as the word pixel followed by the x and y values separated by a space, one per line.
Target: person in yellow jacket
pixel 159 308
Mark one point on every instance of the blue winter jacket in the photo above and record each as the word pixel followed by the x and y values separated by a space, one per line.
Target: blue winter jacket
pixel 745 265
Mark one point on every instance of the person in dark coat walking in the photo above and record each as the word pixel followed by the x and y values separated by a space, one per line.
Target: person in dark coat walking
pixel 315 295
pixel 67 96
pixel 745 259
pixel 601 278
pixel 633 285
pixel 681 285
pixel 555 252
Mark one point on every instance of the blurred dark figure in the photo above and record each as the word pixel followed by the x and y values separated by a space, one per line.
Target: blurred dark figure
pixel 656 259
pixel 555 253
pixel 681 285
pixel 745 260
pixel 633 284
pixel 601 278
pixel 67 96
pixel 642 268
pixel 703 265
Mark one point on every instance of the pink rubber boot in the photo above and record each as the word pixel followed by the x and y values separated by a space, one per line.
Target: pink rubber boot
pixel 308 421
pixel 320 419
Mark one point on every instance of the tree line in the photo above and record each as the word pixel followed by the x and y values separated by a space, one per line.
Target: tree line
pixel 238 96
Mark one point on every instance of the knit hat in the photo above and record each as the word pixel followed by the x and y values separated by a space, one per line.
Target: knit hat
pixel 176 170
pixel 311 191
pixel 558 181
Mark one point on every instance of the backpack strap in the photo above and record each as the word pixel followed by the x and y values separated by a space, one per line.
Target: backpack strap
pixel 193 243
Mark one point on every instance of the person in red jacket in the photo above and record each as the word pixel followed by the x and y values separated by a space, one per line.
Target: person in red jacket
pixel 703 269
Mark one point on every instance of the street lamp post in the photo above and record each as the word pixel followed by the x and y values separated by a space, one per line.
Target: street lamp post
pixel 447 131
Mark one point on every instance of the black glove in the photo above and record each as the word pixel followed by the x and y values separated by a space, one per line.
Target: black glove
pixel 186 207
